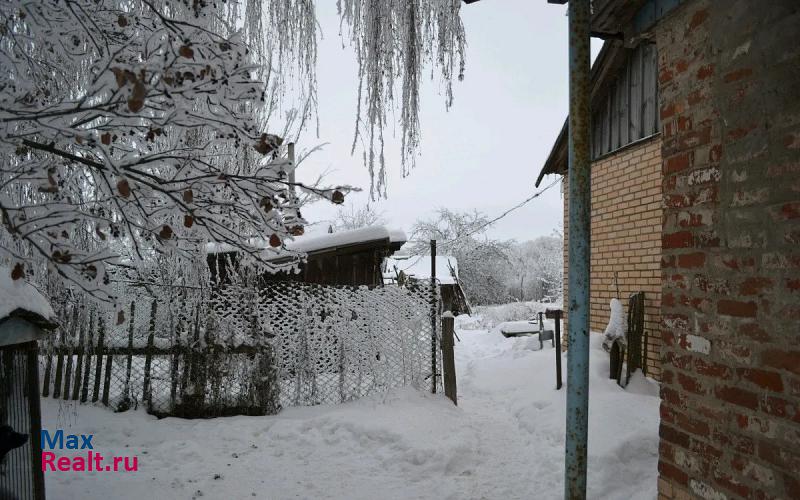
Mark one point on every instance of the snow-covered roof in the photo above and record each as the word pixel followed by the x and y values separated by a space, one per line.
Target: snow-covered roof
pixel 419 267
pixel 345 238
pixel 18 298
pixel 324 241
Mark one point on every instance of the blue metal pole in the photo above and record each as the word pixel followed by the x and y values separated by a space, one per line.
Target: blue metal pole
pixel 575 451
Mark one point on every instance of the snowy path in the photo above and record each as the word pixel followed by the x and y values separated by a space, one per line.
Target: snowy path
pixel 504 441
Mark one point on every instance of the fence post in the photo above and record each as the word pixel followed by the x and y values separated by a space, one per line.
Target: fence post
pixel 434 317
pixel 47 369
pixel 59 362
pixel 147 393
pixel 76 387
pixel 67 374
pixel 35 409
pixel 125 403
pixel 448 357
pixel 89 350
pixel 98 369
pixel 107 378
pixel 558 350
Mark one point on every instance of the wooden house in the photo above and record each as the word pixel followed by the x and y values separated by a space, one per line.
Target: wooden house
pixel 342 258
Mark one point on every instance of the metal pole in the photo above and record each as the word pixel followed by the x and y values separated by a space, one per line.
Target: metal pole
pixel 575 452
pixel 434 317
pixel 558 349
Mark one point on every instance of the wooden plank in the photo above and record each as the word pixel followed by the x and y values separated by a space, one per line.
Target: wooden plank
pixel 434 317
pixel 649 89
pixel 126 392
pixel 107 379
pixel 59 371
pixel 88 361
pixel 35 410
pixel 98 369
pixel 76 387
pixel 636 95
pixel 623 91
pixel 605 141
pixel 146 389
pixel 448 358
pixel 173 369
pixel 613 116
pixel 46 382
pixel 67 375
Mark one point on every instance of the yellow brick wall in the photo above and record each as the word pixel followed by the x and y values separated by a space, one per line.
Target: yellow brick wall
pixel 626 237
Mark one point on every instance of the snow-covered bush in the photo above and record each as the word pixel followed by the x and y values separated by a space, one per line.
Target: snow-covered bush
pixel 616 327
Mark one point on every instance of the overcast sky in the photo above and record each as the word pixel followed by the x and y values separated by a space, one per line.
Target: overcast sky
pixel 486 151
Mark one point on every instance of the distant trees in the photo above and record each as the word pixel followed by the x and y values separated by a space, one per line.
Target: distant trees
pixel 493 271
pixel 351 216
pixel 536 269
pixel 482 261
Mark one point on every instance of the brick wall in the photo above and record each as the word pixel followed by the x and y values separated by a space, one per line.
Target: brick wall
pixel 730 109
pixel 626 237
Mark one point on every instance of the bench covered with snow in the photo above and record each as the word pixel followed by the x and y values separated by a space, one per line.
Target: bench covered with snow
pixel 533 327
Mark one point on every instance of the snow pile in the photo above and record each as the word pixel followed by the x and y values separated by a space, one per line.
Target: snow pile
pixel 504 440
pixel 616 327
pixel 19 294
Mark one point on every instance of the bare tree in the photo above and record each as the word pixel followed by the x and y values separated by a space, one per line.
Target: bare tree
pixel 354 217
pixel 482 261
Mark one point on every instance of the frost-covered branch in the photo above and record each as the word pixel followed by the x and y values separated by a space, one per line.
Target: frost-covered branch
pixel 135 128
pixel 394 41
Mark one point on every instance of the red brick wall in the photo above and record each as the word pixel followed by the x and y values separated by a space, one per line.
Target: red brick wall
pixel 730 109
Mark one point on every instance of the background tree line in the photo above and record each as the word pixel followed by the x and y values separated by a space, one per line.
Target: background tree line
pixel 491 271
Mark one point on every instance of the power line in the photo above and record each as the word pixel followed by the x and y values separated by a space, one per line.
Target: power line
pixel 492 221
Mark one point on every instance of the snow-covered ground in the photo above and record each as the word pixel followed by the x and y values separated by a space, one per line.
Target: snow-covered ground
pixel 503 441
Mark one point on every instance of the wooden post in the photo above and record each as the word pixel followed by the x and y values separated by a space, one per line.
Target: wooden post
pixel 126 393
pixel 434 317
pixel 47 369
pixel 558 349
pixel 173 369
pixel 147 392
pixel 76 387
pixel 555 314
pixel 35 409
pixel 89 349
pixel 67 375
pixel 98 369
pixel 59 364
pixel 107 379
pixel 448 357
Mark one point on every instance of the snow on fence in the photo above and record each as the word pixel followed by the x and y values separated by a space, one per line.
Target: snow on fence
pixel 242 350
